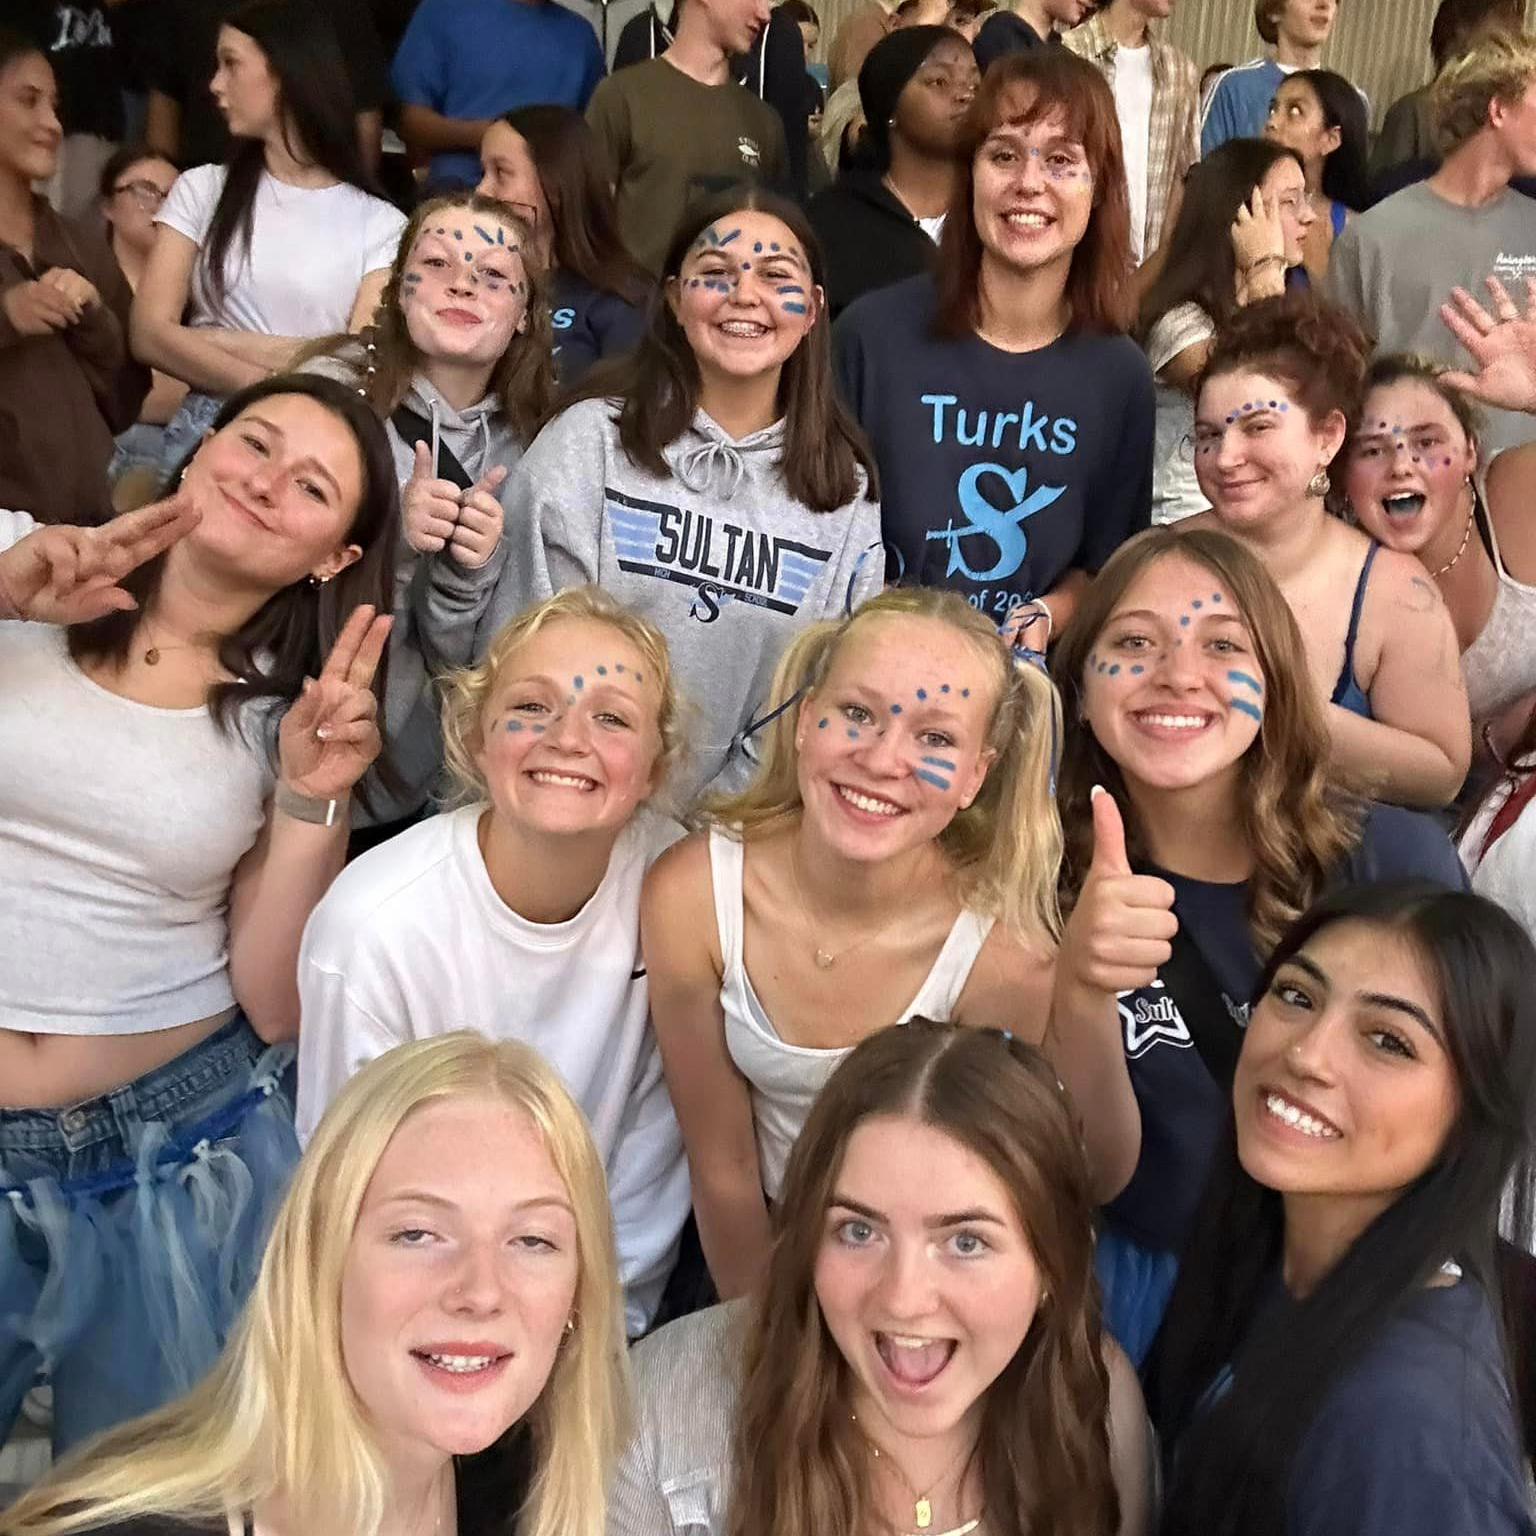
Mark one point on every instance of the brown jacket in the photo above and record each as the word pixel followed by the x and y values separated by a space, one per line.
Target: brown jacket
pixel 63 396
pixel 860 31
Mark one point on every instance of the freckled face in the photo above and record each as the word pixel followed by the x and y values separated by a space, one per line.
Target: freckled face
pixel 1173 690
pixel 1345 1087
pixel 571 737
pixel 1032 194
pixel 1407 467
pixel 1256 449
pixel 744 296
pixel 893 743
pixel 464 292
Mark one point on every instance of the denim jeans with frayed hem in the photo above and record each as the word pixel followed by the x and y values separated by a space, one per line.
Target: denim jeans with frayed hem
pixel 132 1227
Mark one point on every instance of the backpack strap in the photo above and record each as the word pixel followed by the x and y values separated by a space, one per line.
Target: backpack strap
pixel 413 428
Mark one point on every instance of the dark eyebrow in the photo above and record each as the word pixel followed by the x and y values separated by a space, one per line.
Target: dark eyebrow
pixel 948 1219
pixel 1387 1000
pixel 311 461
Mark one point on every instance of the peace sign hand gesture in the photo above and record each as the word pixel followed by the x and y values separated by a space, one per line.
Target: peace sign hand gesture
pixel 66 575
pixel 330 735
pixel 1504 348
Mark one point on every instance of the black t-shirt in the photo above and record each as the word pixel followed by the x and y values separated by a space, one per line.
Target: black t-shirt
pixel 868 238
pixel 589 324
pixel 1182 1107
pixel 1003 32
pixel 79 42
pixel 999 471
pixel 188 36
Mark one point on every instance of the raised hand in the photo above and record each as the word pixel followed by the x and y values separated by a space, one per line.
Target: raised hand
pixel 1121 929
pixel 478 531
pixel 1257 234
pixel 65 575
pixel 1503 347
pixel 330 735
pixel 38 309
pixel 429 506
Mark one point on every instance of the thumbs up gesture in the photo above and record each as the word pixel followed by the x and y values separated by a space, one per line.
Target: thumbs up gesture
pixel 1120 931
pixel 478 530
pixel 437 515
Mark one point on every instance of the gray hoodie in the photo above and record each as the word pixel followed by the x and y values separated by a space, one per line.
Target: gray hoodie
pixel 479 438
pixel 718 555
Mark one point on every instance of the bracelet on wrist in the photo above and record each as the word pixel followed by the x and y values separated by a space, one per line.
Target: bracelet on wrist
pixel 320 813
pixel 1264 261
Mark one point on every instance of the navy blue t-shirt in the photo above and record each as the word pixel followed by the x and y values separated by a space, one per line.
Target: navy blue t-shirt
pixel 1000 471
pixel 1182 1107
pixel 589 324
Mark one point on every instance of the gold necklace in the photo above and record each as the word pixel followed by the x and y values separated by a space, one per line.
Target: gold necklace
pixel 826 958
pixel 922 1503
pixel 1466 538
pixel 155 649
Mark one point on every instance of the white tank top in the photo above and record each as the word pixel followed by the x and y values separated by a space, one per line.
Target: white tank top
pixel 785 1079
pixel 1500 664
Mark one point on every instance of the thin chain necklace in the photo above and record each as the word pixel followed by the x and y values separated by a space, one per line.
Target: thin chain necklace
pixel 154 650
pixel 1466 538
pixel 826 958
pixel 922 1503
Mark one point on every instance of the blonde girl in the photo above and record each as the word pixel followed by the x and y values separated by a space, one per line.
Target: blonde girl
pixel 895 856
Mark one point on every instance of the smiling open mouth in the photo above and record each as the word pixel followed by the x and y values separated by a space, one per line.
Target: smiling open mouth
pixel 914 1362
pixel 552 780
pixel 748 330
pixel 1409 504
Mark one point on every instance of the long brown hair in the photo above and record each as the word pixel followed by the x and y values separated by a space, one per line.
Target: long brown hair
pixel 584 225
pixel 658 385
pixel 1298 819
pixel 799 1464
pixel 386 358
pixel 1021 89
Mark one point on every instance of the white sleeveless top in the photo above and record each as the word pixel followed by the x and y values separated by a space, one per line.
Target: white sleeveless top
pixel 784 1078
pixel 1500 664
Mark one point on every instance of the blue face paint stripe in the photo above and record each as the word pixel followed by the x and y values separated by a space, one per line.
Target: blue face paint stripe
pixel 1246 680
pixel 940 762
pixel 1247 708
pixel 929 777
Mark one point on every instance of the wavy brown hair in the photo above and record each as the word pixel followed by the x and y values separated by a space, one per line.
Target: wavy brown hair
pixel 1299 819
pixel 386 358
pixel 657 387
pixel 1021 89
pixel 800 1464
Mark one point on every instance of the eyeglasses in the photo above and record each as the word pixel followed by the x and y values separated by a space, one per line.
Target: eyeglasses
pixel 145 193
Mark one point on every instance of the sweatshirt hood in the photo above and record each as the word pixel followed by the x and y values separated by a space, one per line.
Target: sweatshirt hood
pixel 709 460
pixel 478 435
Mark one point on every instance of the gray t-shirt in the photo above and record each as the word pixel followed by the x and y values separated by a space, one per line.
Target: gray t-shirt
pixel 1394 266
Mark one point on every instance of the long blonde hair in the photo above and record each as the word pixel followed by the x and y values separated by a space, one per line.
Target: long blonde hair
pixel 467 691
pixel 1005 847
pixel 276 1419
pixel 1299 817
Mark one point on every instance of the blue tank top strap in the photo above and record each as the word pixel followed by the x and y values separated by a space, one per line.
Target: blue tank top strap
pixel 1339 217
pixel 1347 692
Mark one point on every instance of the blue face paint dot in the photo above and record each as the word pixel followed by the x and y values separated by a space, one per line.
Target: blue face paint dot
pixel 1231 418
pixel 602 671
pixel 618 666
pixel 514 725
pixel 943 687
pixel 1137 670
pixel 639 677
pixel 965 693
pixel 895 709
pixel 853 735
pixel 1215 597
pixel 1114 670
pixel 578 682
pixel 746 266
pixel 1284 406
pixel 757 246
pixel 538 730
pixel 1274 405
pixel 773 245
pixel 821 725
pixel 1197 603
pixel 1183 620
pixel 1447 463
pixel 458 234
pixel 922 693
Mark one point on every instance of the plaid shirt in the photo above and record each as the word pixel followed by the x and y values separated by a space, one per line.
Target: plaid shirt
pixel 1173 143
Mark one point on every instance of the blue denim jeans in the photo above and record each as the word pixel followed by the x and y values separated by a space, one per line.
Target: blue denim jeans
pixel 184 431
pixel 132 1227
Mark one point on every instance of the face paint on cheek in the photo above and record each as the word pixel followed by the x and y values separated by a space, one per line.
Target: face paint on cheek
pixel 1246 708
pixel 793 297
pixel 928 776
pixel 514 725
pixel 936 771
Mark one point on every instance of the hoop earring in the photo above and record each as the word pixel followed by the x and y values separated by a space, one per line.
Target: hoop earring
pixel 1319 485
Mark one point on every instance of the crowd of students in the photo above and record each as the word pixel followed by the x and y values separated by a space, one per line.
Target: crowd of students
pixel 759 858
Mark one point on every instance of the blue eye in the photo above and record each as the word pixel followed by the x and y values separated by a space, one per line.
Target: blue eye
pixel 970 1245
pixel 856 1233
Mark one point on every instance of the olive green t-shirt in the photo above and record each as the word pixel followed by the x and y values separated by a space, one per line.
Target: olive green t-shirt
pixel 668 140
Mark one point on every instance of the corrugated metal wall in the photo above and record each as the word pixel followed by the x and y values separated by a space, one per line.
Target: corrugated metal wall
pixel 1382 45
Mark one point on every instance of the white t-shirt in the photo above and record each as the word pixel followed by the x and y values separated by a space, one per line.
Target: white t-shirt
pixel 1133 106
pixel 120 828
pixel 310 249
pixel 1176 492
pixel 1507 872
pixel 412 941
